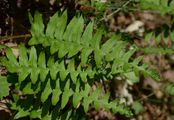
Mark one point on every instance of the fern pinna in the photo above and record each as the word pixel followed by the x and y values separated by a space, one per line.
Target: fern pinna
pixel 164 32
pixel 162 6
pixel 56 74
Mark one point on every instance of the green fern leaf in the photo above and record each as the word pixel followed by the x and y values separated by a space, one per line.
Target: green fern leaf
pixel 33 57
pixel 51 26
pixel 86 102
pixel 128 54
pixel 98 57
pixel 21 113
pixel 73 49
pixel 87 35
pixel 4 89
pixel 47 117
pixel 36 114
pixel 47 91
pixel 23 73
pixel 23 58
pixel 53 68
pixel 102 102
pixel 74 30
pixel 109 44
pixel 63 73
pixel 63 50
pixel 169 89
pixel 83 76
pixel 34 75
pixel 11 57
pixel 31 88
pixel 67 93
pixel 95 42
pixel 77 97
pixel 56 93
pixel 66 115
pixel 61 25
pixel 71 69
pixel 42 65
pixel 37 28
pixel 41 60
pixel 55 47
pixel 85 52
pixel 132 77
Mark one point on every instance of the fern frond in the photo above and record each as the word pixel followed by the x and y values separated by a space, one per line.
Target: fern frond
pixel 169 89
pixel 34 66
pixel 157 50
pixel 71 40
pixel 85 43
pixel 163 36
pixel 163 6
pixel 63 75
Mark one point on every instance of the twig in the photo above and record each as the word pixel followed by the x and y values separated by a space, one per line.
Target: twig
pixel 116 11
pixel 5 38
pixel 143 97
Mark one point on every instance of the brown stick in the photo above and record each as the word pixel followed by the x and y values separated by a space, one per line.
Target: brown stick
pixel 6 38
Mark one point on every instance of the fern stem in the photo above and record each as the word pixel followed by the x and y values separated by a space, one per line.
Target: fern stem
pixel 116 11
pixel 5 38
